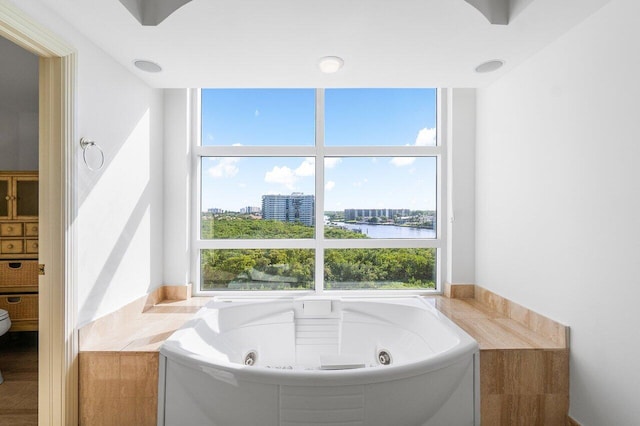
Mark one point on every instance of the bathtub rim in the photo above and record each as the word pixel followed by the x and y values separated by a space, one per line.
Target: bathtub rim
pixel 466 348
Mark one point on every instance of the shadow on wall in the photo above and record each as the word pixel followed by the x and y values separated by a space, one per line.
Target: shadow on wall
pixel 132 235
pixel 120 206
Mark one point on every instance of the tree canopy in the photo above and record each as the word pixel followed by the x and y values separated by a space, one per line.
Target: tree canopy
pixel 261 269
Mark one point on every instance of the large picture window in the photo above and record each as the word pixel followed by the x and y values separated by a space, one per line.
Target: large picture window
pixel 302 190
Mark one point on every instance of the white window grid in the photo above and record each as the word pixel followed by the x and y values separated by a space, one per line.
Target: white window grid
pixel 319 244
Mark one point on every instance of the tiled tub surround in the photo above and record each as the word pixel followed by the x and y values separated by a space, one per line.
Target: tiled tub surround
pixel 118 362
pixel 524 358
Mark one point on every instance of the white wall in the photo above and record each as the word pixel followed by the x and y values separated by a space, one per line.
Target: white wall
pixel 558 196
pixel 461 181
pixel 177 186
pixel 120 206
pixel 18 108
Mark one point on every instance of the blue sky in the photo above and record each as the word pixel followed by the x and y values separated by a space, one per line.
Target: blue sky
pixel 286 117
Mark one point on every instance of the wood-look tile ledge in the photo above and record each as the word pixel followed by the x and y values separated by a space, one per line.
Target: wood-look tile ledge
pixel 144 331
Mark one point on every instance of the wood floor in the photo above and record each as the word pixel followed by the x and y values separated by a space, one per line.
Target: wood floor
pixel 19 366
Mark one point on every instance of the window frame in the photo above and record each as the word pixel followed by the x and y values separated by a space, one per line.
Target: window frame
pixel 319 151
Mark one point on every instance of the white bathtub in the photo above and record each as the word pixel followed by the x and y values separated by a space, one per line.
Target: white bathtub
pixel 319 361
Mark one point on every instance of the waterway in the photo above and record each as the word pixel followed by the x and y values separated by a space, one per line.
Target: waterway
pixel 389 231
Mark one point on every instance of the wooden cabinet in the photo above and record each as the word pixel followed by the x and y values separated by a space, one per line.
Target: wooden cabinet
pixel 19 248
pixel 18 196
pixel 18 215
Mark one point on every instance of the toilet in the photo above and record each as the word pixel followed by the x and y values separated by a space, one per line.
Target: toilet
pixel 5 325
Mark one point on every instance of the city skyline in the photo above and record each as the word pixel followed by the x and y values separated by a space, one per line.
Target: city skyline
pixel 229 183
pixel 258 209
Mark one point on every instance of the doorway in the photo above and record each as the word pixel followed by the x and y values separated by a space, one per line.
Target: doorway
pixel 19 163
pixel 57 337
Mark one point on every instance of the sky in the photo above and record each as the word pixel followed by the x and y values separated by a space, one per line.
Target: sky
pixel 353 117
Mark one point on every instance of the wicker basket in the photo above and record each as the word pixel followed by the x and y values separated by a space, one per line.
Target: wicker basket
pixel 20 306
pixel 17 273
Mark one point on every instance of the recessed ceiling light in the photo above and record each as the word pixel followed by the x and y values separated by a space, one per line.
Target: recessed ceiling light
pixel 330 64
pixel 490 66
pixel 147 66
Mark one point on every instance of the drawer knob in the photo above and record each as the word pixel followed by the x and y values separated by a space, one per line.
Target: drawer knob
pixel 13 300
pixel 7 198
pixel 9 228
pixel 9 246
pixel 34 245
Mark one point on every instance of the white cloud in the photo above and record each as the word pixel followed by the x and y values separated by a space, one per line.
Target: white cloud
pixel 307 168
pixel 331 162
pixel 287 177
pixel 402 161
pixel 426 137
pixel 329 185
pixel 224 168
pixel 282 175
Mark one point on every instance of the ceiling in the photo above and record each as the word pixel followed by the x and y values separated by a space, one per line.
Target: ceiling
pixel 277 43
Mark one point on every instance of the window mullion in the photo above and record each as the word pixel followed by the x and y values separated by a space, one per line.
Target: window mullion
pixel 319 207
pixel 382 151
pixel 255 244
pixel 255 151
pixel 381 243
pixel 195 109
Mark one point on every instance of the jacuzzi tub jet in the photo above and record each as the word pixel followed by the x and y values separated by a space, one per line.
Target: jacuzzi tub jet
pixel 250 358
pixel 384 357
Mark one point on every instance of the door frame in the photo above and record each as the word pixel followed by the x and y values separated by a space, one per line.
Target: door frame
pixel 58 338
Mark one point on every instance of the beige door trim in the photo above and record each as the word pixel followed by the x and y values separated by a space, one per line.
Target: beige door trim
pixel 58 341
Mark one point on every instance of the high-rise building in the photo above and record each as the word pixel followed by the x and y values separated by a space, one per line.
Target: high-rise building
pixel 296 207
pixel 352 214
pixel 250 210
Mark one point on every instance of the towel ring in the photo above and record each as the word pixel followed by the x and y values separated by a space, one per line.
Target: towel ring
pixel 86 144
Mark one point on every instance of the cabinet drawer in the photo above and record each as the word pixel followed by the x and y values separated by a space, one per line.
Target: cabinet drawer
pixel 11 229
pixel 19 273
pixel 31 229
pixel 11 246
pixel 20 306
pixel 31 246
